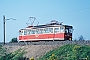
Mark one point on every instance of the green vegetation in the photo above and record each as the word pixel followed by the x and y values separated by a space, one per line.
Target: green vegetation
pixel 17 55
pixel 13 40
pixel 68 52
pixel 80 38
pixel 2 52
pixel 31 58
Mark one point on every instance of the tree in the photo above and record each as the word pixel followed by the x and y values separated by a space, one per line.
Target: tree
pixel 13 40
pixel 81 38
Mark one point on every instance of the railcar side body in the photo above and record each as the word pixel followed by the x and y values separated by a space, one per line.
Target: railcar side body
pixel 53 31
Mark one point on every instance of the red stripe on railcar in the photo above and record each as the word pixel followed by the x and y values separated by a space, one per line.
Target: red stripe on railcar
pixel 41 36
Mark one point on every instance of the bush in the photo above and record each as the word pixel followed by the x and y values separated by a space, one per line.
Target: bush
pixel 68 52
pixel 17 55
pixel 13 40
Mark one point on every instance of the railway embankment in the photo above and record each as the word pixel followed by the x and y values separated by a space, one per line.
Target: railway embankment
pixel 38 49
pixel 35 51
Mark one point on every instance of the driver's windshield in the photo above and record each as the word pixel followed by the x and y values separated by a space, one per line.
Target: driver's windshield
pixel 68 30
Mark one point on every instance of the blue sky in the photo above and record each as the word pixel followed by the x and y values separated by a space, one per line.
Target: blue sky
pixel 71 12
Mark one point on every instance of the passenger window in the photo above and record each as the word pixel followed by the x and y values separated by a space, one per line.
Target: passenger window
pixel 37 31
pixel 40 31
pixel 61 29
pixel 25 32
pixel 46 30
pixel 43 30
pixel 56 30
pixel 29 32
pixel 32 31
pixel 51 30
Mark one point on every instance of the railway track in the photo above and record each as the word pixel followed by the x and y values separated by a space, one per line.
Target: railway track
pixel 85 42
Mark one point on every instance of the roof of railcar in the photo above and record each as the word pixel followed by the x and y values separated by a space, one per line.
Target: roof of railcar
pixel 46 25
pixel 42 26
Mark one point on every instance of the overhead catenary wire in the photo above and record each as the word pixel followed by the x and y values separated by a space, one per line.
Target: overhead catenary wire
pixel 63 12
pixel 57 13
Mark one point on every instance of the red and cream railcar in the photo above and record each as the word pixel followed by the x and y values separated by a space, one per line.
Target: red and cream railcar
pixel 52 31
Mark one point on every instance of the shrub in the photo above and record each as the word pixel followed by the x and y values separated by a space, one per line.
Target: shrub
pixel 68 52
pixel 16 55
pixel 13 40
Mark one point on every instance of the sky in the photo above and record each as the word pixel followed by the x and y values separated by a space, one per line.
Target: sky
pixel 70 12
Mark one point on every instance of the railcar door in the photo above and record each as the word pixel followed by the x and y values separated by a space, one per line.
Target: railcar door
pixel 62 30
pixel 59 33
